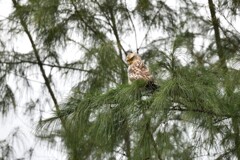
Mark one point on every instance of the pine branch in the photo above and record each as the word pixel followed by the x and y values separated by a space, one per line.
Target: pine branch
pixel 116 34
pixel 236 132
pixel 96 32
pixel 149 29
pixel 225 155
pixel 127 142
pixel 235 29
pixel 24 77
pixel 112 23
pixel 153 142
pixel 209 112
pixel 215 23
pixel 39 62
pixel 44 64
pixel 193 110
pixel 148 129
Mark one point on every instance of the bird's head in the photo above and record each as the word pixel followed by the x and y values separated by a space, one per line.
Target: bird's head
pixel 131 57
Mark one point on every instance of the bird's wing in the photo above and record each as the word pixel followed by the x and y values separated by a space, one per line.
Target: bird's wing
pixel 138 70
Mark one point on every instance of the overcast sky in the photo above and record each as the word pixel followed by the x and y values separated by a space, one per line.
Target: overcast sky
pixel 20 121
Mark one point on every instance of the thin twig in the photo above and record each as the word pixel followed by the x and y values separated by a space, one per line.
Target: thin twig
pixel 148 29
pixel 44 64
pixel 134 28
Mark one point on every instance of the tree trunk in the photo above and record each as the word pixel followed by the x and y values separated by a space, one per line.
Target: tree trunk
pixel 127 142
pixel 235 125
pixel 215 23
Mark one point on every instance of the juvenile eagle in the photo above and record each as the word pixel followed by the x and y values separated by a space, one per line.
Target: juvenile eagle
pixel 137 70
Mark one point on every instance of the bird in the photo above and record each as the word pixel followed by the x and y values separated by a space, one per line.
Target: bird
pixel 137 70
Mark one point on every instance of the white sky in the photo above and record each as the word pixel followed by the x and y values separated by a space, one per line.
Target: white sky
pixel 41 150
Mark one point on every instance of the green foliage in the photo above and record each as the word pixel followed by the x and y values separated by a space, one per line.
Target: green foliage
pixel 158 125
pixel 106 68
pixel 157 15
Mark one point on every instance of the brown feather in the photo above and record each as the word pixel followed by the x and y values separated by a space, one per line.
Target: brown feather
pixel 137 70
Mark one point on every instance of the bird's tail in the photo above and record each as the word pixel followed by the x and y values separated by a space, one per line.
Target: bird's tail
pixel 151 86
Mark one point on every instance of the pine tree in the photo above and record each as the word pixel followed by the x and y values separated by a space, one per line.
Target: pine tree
pixel 191 47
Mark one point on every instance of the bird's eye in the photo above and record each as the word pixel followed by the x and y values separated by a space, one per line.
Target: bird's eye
pixel 130 58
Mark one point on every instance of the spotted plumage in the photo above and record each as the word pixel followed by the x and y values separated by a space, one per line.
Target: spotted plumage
pixel 137 70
